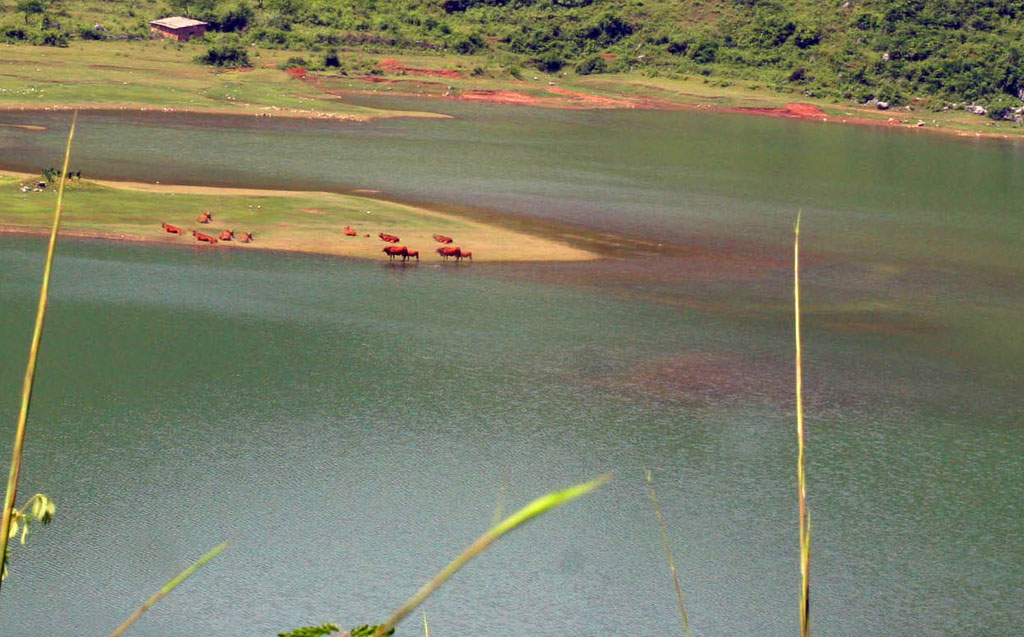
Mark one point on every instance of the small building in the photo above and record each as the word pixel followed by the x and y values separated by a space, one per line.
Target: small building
pixel 178 28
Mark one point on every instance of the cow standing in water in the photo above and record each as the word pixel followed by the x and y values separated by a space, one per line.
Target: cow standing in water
pixel 448 252
pixel 204 217
pixel 413 253
pixel 466 254
pixel 396 251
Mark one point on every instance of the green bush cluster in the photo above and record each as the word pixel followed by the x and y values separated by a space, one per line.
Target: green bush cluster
pixel 228 52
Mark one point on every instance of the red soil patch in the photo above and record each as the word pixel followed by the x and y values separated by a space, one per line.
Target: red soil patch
pixel 385 80
pixel 799 110
pixel 594 101
pixel 499 97
pixel 298 72
pixel 394 66
pixel 795 110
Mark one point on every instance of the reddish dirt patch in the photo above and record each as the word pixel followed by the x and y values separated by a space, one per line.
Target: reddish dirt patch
pixel 594 101
pixel 794 109
pixel 804 110
pixel 386 80
pixel 799 110
pixel 298 72
pixel 499 97
pixel 394 66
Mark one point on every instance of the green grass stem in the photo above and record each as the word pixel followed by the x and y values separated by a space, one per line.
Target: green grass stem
pixel 33 356
pixel 668 551
pixel 178 579
pixel 804 516
pixel 533 509
pixel 426 628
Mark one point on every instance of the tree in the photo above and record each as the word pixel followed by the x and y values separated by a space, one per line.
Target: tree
pixel 29 7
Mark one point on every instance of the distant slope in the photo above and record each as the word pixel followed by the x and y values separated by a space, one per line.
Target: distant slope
pixel 945 51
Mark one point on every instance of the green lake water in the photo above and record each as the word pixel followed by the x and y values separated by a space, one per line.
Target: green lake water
pixel 349 425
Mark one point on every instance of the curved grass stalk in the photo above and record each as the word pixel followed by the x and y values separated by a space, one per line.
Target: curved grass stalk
pixel 178 579
pixel 33 356
pixel 533 509
pixel 668 551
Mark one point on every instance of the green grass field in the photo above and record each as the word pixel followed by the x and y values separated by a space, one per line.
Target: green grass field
pixel 156 74
pixel 162 74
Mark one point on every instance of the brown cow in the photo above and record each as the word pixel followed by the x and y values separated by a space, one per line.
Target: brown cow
pixel 246 237
pixel 390 238
pixel 413 253
pixel 349 232
pixel 466 254
pixel 227 235
pixel 449 251
pixel 204 237
pixel 440 238
pixel 396 251
pixel 172 229
pixel 204 217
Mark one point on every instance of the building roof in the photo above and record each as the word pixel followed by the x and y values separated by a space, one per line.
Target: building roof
pixel 177 22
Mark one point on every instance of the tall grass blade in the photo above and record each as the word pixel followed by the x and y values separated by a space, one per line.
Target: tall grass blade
pixel 181 577
pixel 804 518
pixel 537 507
pixel 33 355
pixel 668 551
pixel 426 629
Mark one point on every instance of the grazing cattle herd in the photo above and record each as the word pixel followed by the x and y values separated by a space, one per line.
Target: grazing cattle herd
pixel 393 251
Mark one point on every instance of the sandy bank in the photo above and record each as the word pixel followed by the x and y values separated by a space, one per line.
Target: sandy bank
pixel 250 110
pixel 315 223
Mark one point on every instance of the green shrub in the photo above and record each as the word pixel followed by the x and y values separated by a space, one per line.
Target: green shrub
pixel 1001 106
pixel 469 44
pixel 591 65
pixel 294 62
pixel 549 63
pixel 50 37
pixel 229 53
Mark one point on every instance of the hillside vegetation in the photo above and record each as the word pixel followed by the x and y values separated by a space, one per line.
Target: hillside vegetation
pixel 939 52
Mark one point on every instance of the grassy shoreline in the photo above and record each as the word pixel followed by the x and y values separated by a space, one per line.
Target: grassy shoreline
pixel 292 221
pixel 159 75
